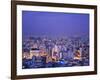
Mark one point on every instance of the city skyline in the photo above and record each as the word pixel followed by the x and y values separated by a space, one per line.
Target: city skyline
pixel 54 39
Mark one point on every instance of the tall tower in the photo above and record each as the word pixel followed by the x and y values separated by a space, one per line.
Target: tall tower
pixel 55 53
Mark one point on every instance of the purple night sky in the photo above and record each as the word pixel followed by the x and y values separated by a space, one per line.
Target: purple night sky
pixel 54 24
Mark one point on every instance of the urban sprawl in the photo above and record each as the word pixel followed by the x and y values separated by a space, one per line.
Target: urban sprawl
pixel 44 52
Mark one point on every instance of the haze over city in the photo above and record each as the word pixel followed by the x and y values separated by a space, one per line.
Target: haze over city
pixel 53 24
pixel 52 39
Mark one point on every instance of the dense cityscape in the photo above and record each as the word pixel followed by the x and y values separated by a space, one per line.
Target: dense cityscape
pixel 46 52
